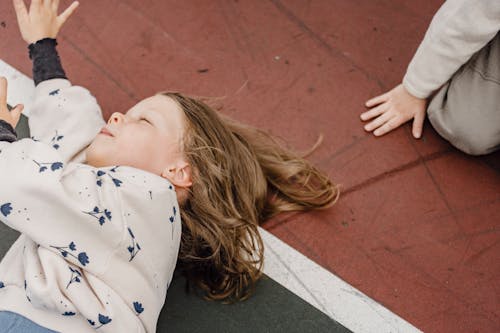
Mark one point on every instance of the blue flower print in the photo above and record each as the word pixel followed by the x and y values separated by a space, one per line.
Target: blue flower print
pixel 75 276
pixel 53 165
pixel 2 285
pixel 138 308
pixel 54 92
pixel 134 248
pixel 69 313
pixel 81 257
pixel 25 288
pixel 172 219
pixel 101 173
pixel 55 139
pixel 100 215
pixel 99 180
pixel 5 209
pixel 103 320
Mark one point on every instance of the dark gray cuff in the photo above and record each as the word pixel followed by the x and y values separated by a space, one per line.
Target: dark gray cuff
pixel 46 61
pixel 7 132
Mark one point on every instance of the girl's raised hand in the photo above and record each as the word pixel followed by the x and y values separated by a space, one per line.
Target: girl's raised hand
pixel 41 21
pixel 13 116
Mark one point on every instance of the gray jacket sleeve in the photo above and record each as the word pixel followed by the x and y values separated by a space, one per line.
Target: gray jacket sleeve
pixel 459 29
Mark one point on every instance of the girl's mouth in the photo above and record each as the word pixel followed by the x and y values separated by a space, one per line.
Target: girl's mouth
pixel 105 131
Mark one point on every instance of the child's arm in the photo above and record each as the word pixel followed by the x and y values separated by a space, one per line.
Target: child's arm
pixel 33 199
pixel 64 116
pixel 39 28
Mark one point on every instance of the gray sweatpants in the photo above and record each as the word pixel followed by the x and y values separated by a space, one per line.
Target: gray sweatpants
pixel 466 110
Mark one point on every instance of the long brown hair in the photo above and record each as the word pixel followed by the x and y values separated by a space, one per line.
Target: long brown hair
pixel 241 177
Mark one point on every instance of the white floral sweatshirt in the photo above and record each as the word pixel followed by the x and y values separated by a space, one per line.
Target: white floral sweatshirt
pixel 98 246
pixel 459 29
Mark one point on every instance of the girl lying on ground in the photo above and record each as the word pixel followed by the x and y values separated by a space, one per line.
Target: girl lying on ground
pixel 107 210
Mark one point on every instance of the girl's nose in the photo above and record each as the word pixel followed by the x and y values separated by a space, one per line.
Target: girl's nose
pixel 116 118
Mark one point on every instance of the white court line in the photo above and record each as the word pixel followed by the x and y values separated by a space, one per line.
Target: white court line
pixel 326 291
pixel 285 265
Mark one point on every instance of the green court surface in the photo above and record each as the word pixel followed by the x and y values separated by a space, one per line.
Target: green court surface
pixel 272 308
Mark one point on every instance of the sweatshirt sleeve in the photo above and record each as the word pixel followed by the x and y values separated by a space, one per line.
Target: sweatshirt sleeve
pixel 458 30
pixel 65 117
pixel 77 218
pixel 120 226
pixel 7 132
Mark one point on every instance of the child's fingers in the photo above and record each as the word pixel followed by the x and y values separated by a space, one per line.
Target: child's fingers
pixel 379 121
pixel 387 127
pixel 55 5
pixel 418 124
pixel 21 11
pixel 3 92
pixel 374 112
pixel 35 5
pixel 377 100
pixel 67 13
pixel 16 112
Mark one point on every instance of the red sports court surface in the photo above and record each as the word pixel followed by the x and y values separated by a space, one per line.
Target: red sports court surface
pixel 417 225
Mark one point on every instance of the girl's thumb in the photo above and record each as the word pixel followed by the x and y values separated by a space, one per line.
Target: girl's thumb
pixel 18 109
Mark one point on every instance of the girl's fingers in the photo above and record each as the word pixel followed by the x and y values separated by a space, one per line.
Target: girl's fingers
pixel 374 112
pixel 21 11
pixel 35 5
pixel 47 4
pixel 387 127
pixel 377 100
pixel 418 124
pixel 379 121
pixel 3 92
pixel 67 13
pixel 16 112
pixel 55 5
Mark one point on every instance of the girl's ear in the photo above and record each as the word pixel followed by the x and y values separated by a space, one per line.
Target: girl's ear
pixel 179 174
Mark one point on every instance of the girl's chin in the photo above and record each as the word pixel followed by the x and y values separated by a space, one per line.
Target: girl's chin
pixel 94 159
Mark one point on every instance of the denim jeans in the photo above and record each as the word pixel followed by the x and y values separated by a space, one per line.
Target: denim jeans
pixel 11 322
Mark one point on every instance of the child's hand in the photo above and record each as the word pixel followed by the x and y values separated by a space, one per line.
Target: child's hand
pixel 393 109
pixel 13 116
pixel 41 21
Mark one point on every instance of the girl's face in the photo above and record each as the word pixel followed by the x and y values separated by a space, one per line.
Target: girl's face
pixel 147 137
